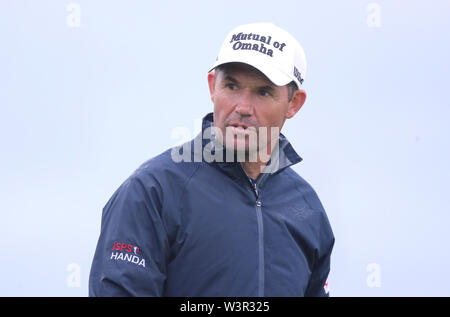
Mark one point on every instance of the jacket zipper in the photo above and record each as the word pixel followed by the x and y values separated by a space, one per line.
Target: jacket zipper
pixel 259 219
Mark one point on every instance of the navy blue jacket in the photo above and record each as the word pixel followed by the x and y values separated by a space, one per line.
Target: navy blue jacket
pixel 200 228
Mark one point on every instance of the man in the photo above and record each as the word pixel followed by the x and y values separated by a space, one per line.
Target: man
pixel 224 214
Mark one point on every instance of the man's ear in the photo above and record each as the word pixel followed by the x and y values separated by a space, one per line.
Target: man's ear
pixel 212 83
pixel 297 101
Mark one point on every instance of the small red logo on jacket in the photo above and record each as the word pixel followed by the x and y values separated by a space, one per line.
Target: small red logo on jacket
pixel 127 252
pixel 118 246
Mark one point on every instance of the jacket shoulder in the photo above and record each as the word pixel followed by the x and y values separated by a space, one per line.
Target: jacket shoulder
pixel 308 194
pixel 159 178
pixel 164 172
pixel 305 189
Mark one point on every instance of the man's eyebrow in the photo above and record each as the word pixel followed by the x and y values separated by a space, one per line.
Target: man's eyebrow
pixel 267 87
pixel 232 79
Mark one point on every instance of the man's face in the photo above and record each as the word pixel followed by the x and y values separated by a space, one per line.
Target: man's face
pixel 249 109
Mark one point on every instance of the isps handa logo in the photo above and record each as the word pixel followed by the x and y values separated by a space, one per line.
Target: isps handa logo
pixel 127 252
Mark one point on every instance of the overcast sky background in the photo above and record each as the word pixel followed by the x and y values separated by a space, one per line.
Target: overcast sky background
pixel 89 90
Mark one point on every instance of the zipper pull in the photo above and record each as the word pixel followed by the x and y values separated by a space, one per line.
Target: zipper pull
pixel 258 202
pixel 255 188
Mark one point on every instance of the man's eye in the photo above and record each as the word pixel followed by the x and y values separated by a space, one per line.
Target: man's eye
pixel 231 86
pixel 264 93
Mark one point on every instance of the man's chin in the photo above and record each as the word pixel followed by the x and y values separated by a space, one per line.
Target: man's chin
pixel 240 146
pixel 242 152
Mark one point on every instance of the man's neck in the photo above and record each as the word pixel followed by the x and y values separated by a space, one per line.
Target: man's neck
pixel 253 169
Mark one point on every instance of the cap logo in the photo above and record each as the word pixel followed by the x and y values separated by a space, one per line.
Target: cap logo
pixel 259 47
pixel 298 75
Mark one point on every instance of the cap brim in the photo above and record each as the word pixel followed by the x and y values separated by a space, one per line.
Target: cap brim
pixel 276 76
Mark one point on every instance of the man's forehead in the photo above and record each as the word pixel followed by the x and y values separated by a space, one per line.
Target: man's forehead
pixel 236 69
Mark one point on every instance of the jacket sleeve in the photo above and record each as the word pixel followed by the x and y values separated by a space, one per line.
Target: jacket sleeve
pixel 131 254
pixel 318 283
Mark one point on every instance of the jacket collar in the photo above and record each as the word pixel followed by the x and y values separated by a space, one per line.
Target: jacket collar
pixel 285 156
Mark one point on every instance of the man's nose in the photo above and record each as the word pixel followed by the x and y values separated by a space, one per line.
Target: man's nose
pixel 245 104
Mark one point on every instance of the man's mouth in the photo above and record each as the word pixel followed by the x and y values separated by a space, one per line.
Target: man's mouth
pixel 239 125
pixel 240 128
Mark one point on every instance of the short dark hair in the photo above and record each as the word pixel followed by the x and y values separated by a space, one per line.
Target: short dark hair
pixel 292 86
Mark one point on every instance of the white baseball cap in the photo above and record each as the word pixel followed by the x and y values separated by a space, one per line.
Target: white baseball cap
pixel 268 48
